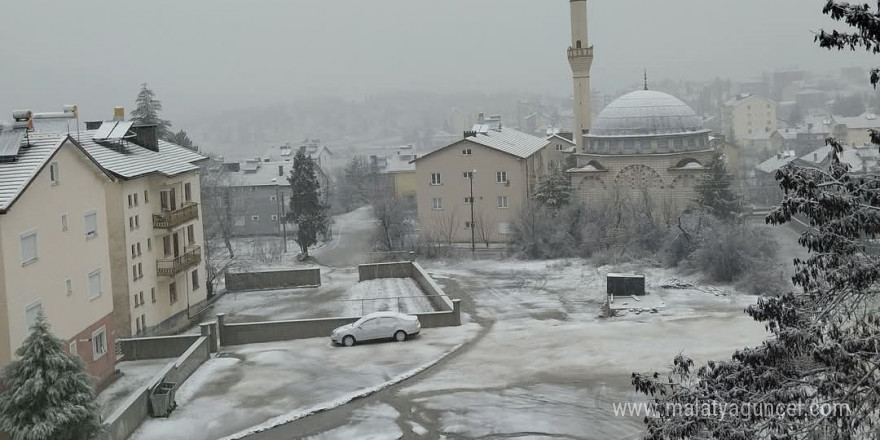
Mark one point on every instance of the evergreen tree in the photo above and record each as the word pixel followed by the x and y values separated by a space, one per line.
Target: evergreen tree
pixel 554 192
pixel 48 395
pixel 307 213
pixel 714 193
pixel 797 115
pixel 182 139
pixel 146 112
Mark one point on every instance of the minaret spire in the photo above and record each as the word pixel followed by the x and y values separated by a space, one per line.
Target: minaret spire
pixel 646 78
pixel 580 57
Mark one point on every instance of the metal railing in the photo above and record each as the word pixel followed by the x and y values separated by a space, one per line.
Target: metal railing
pixel 170 219
pixel 171 267
pixel 580 52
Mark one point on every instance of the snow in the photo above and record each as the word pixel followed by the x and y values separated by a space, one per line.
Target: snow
pixel 374 422
pixel 388 294
pixel 135 374
pixel 248 389
pixel 417 429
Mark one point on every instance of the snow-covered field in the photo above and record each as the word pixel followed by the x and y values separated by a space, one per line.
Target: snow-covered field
pixel 135 374
pixel 250 385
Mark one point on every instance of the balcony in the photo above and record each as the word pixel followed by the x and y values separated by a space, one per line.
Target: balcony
pixel 173 219
pixel 171 267
pixel 577 52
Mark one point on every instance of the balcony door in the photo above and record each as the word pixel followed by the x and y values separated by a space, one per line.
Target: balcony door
pixel 168 200
pixel 176 245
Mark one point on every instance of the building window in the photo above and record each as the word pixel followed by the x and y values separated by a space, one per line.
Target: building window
pixel 468 200
pixel 139 249
pixel 466 152
pixel 28 247
pixel 149 245
pixel 64 222
pixel 137 222
pixel 131 223
pixel 136 303
pixel 134 272
pixel 95 284
pixel 437 203
pixel 140 270
pixel 99 343
pixel 133 251
pixel 468 174
pixel 467 225
pixel 191 234
pixel 68 286
pixel 71 348
pixel 274 217
pixel 435 179
pixel 135 199
pixel 130 201
pixel 153 294
pixel 272 198
pixel 255 218
pixel 141 297
pixel 501 177
pixel 54 177
pixel 146 196
pixel 91 222
pixel 30 314
pixel 172 293
pixel 502 201
pixel 187 192
pixel 166 243
pixel 559 147
pixel 195 279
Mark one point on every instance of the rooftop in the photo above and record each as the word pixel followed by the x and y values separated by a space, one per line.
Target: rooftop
pixel 34 154
pixel 646 113
pixel 503 139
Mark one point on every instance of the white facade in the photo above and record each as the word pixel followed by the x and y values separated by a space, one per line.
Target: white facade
pixel 580 57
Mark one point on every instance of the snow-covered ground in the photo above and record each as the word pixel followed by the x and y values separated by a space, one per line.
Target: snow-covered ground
pixel 250 385
pixel 388 294
pixel 135 374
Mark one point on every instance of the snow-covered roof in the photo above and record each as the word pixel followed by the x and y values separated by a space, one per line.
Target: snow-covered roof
pixel 560 137
pixel 776 162
pixel 129 160
pixel 262 174
pixel 863 121
pixel 818 156
pixel 505 140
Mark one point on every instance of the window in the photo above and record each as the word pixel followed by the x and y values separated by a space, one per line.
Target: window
pixel 136 303
pixel 272 198
pixel 466 152
pixel 137 222
pixel 68 286
pixel 559 147
pixel 191 234
pixel 502 201
pixel 30 314
pixel 467 225
pixel 141 297
pixel 135 199
pixel 501 177
pixel 95 284
pixel 137 323
pixel 64 222
pixel 274 217
pixel 149 245
pixel 172 293
pixel 187 192
pixel 437 203
pixel 195 279
pixel 134 272
pixel 140 270
pixel 146 196
pixel 255 218
pixel 131 223
pixel 133 251
pixel 153 294
pixel 435 179
pixel 29 247
pixel 130 203
pixel 468 174
pixel 99 343
pixel 72 348
pixel 166 244
pixel 468 200
pixel 91 221
pixel 54 177
pixel 139 249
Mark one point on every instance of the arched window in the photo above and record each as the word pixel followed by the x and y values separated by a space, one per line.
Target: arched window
pixel 579 44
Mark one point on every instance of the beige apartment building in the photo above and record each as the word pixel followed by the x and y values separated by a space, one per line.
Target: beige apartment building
pixel 155 231
pixel 749 116
pixel 505 166
pixel 54 238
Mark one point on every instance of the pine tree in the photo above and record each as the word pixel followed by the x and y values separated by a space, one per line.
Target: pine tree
pixel 146 112
pixel 554 192
pixel 182 138
pixel 307 213
pixel 714 193
pixel 49 395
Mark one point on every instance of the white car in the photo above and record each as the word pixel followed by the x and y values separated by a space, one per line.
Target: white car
pixel 379 325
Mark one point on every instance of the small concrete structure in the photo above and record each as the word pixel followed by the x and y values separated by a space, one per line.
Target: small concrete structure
pixel 619 284
pixel 273 279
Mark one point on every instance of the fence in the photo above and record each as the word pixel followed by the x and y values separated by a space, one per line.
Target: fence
pixel 276 279
pixel 134 410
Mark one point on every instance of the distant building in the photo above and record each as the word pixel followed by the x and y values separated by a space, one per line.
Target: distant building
pixel 857 129
pixel 397 173
pixel 811 99
pixel 749 116
pixel 254 195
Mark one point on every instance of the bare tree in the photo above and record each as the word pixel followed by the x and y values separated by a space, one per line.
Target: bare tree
pixel 485 228
pixel 218 218
pixel 393 221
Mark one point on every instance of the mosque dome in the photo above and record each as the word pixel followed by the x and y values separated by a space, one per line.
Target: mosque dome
pixel 646 113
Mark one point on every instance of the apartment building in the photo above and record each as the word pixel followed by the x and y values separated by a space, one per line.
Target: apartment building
pixel 505 166
pixel 54 237
pixel 154 227
pixel 254 196
pixel 749 116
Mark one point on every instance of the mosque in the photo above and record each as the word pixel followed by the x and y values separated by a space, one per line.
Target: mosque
pixel 646 146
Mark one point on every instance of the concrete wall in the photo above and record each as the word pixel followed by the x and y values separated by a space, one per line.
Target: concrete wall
pixel 162 347
pixel 367 272
pixel 122 423
pixel 278 279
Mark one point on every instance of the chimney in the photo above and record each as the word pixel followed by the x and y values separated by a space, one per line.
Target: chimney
pixel 118 114
pixel 146 136
pixel 280 170
pixel 470 133
pixel 93 125
pixel 481 118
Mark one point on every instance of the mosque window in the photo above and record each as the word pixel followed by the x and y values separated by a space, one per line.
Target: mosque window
pixel 662 144
pixel 579 44
pixel 692 142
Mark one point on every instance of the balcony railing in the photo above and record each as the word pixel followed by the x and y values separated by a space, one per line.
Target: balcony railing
pixel 171 267
pixel 172 219
pixel 574 52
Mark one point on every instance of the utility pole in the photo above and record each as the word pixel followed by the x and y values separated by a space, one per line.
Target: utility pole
pixel 473 227
pixel 279 196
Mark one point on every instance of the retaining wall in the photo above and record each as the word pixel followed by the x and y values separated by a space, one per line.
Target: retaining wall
pixel 160 347
pixel 408 269
pixel 134 410
pixel 276 279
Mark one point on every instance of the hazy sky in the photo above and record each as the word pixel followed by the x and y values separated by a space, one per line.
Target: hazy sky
pixel 203 55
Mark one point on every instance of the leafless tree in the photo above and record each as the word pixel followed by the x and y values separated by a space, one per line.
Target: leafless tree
pixel 218 219
pixel 485 228
pixel 393 221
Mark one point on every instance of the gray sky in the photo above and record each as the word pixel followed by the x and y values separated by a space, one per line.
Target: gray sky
pixel 202 55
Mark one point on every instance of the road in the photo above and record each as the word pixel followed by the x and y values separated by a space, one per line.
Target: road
pixel 353 238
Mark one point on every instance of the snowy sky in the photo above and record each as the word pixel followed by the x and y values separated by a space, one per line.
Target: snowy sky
pixel 204 55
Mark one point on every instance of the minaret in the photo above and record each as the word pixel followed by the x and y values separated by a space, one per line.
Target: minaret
pixel 580 56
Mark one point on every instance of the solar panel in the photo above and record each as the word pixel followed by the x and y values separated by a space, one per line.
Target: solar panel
pixel 10 143
pixel 121 130
pixel 105 130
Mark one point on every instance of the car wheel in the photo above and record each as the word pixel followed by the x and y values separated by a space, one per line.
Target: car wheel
pixel 400 336
pixel 348 341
